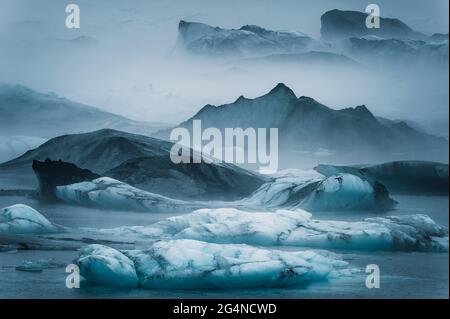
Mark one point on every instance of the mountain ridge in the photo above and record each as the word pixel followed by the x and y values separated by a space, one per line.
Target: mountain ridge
pixel 49 112
pixel 304 122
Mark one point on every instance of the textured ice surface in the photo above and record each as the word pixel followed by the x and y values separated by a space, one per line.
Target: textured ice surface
pixel 110 193
pixel 22 219
pixel 400 177
pixel 296 228
pixel 338 192
pixel 191 264
pixel 107 266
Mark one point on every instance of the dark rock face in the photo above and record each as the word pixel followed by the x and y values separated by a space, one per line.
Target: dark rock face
pixel 140 161
pixel 337 25
pixel 202 181
pixel 57 173
pixel 98 151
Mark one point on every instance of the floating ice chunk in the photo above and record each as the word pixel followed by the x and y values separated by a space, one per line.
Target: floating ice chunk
pixel 297 228
pixel 40 265
pixel 190 264
pixel 339 192
pixel 111 193
pixel 22 219
pixel 400 177
pixel 107 266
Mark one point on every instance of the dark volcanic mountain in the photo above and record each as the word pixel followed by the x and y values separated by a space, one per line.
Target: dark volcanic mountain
pixel 306 125
pixel 24 112
pixel 201 180
pixel 143 162
pixel 97 151
pixel 337 25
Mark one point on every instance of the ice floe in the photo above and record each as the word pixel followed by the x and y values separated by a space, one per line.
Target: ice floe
pixel 295 228
pixel 40 265
pixel 110 193
pixel 191 264
pixel 22 219
pixel 107 266
pixel 338 192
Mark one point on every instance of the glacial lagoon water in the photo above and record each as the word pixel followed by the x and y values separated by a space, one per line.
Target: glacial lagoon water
pixel 403 274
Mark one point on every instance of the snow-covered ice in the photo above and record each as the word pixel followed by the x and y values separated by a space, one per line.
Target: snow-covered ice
pixel 295 228
pixel 107 266
pixel 22 219
pixel 110 193
pixel 191 264
pixel 338 192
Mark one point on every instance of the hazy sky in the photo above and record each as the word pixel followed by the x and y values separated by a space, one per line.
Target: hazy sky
pixel 117 18
pixel 129 69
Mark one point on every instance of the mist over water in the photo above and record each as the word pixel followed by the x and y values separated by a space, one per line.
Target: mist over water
pixel 125 59
pixel 373 110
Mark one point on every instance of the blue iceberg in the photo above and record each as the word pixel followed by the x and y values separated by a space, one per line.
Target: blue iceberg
pixel 110 193
pixel 294 228
pixel 337 192
pixel 191 264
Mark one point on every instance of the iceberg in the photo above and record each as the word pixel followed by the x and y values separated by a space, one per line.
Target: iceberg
pixel 110 193
pixel 22 219
pixel 106 266
pixel 337 192
pixel 40 265
pixel 295 228
pixel 399 177
pixel 191 264
pixel 247 41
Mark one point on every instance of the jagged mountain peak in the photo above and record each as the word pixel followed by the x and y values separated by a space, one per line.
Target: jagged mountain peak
pixel 363 111
pixel 304 98
pixel 241 98
pixel 360 111
pixel 282 89
pixel 309 125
